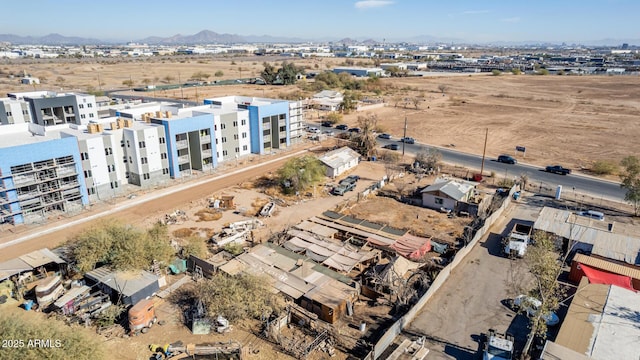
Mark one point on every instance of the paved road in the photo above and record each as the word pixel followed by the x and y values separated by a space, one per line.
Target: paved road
pixel 571 184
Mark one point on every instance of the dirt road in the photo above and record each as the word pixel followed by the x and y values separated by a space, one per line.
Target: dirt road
pixel 134 211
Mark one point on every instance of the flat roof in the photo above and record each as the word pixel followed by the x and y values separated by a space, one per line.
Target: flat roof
pixel 126 283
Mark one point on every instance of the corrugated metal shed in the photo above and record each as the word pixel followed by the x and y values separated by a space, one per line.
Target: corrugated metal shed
pixel 454 189
pixel 607 266
pixel 12 267
pixel 608 239
pixel 41 257
pixel 133 285
pixel 339 157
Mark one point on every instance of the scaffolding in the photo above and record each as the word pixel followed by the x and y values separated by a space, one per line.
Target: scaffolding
pixel 43 188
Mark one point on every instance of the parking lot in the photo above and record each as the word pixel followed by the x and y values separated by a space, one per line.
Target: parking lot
pixel 475 297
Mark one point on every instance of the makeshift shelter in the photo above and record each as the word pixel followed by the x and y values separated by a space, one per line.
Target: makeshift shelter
pixel 128 287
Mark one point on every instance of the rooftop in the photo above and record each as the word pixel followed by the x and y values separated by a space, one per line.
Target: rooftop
pixel 126 283
pixel 339 157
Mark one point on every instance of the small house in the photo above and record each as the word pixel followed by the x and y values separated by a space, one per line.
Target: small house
pixel 447 193
pixel 127 287
pixel 340 160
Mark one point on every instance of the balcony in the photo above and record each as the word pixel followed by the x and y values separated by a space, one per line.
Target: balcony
pixel 182 144
pixel 184 159
pixel 206 153
pixel 205 139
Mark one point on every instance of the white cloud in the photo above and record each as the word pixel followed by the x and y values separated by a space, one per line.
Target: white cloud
pixel 474 12
pixel 511 19
pixel 367 4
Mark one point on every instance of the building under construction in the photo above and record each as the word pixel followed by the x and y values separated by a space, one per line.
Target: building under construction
pixel 39 178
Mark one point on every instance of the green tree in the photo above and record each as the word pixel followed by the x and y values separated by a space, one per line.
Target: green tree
pixel 269 73
pixel 238 297
pixel 123 247
pixel 516 71
pixel 74 343
pixel 496 72
pixel 300 173
pixel 128 83
pixel 200 76
pixel 288 73
pixel 195 246
pixel 631 181
pixel 349 102
pixel 218 73
pixel 545 265
pixel 168 79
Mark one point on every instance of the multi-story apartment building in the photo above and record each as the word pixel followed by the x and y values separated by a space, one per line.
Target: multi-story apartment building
pixel 146 154
pixel 14 111
pixel 231 129
pixel 189 141
pixel 268 121
pixel 39 176
pixel 296 121
pixel 49 108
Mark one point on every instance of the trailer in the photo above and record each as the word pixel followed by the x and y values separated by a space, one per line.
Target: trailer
pixel 515 244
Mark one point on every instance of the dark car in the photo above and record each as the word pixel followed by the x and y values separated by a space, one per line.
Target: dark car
pixel 342 127
pixel 351 179
pixel 327 124
pixel 557 169
pixel 507 159
pixel 391 146
pixel 355 130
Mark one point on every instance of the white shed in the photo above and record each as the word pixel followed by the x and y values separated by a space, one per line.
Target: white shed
pixel 446 193
pixel 339 161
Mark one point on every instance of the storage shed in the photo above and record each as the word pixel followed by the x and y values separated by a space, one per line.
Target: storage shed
pixel 128 287
pixel 340 160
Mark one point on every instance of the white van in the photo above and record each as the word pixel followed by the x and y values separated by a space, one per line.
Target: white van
pixel 597 215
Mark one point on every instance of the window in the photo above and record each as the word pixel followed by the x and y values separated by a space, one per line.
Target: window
pixel 143 160
pixel 266 132
pixel 235 123
pixel 126 174
pixel 141 144
pixel 439 201
pixel 244 135
pixel 215 127
pixel 108 151
pixel 130 160
pixel 81 106
pixel 283 128
pixel 87 173
pixel 89 105
pixel 163 155
pixel 237 150
pixel 224 139
pixel 244 147
pixel 224 152
pixel 91 115
pixel 8 113
pixel 243 122
pixel 165 171
pixel 282 117
pixel 124 159
pixel 145 176
pixel 84 156
pixel 235 136
pixel 161 140
pixel 216 141
pixel 82 116
pixel 222 126
pixel 121 143
pixel 91 191
pixel 128 145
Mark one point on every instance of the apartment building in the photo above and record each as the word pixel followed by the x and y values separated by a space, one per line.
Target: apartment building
pixel 268 120
pixel 49 108
pixel 231 127
pixel 188 139
pixel 14 111
pixel 101 155
pixel 146 154
pixel 296 121
pixel 40 176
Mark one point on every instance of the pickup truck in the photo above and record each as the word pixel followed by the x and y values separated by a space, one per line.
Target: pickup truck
pixel 557 169
pixel 515 244
pixel 498 346
pixel 343 188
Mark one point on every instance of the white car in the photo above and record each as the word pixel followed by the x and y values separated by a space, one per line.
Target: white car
pixel 531 306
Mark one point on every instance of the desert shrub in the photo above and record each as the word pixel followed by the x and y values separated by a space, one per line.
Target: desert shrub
pixel 195 246
pixel 182 233
pixel 604 167
pixel 233 248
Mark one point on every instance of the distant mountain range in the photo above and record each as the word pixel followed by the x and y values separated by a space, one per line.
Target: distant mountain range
pixel 211 37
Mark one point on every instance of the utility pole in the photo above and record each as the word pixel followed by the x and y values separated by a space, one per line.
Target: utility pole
pixel 404 137
pixel 484 151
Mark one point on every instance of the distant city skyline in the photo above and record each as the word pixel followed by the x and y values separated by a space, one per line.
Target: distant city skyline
pixel 380 20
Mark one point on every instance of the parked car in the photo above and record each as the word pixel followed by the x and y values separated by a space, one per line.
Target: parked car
pixel 592 214
pixel 384 136
pixel 355 130
pixel 531 305
pixel 327 124
pixel 507 159
pixel 328 132
pixel 342 188
pixel 557 169
pixel 391 147
pixel 408 140
pixel 314 130
pixel 342 127
pixel 351 179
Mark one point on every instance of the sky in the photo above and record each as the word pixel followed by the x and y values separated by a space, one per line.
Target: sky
pixel 464 20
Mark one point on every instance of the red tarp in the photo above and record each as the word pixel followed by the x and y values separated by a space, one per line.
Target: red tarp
pixel 412 247
pixel 602 277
